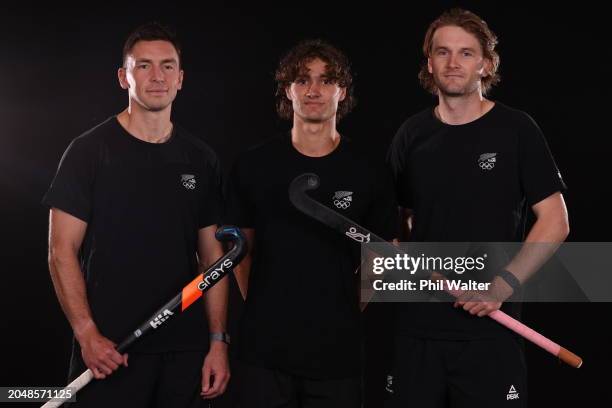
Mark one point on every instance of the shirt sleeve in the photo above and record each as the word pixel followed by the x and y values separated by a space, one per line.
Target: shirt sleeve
pixel 397 161
pixel 238 204
pixel 72 187
pixel 539 174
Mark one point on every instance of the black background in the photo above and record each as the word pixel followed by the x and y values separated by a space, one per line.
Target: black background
pixel 58 79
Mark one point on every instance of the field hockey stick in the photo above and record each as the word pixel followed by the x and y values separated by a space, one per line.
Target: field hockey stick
pixel 306 204
pixel 188 295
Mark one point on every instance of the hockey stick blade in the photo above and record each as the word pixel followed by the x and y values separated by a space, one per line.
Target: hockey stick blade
pixel 303 202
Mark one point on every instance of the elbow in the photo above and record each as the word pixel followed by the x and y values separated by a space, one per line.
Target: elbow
pixel 54 254
pixel 556 223
pixel 53 260
pixel 52 257
pixel 59 256
pixel 564 226
pixel 564 229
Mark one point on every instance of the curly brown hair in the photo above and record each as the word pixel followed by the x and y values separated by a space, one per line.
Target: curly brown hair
pixel 294 63
pixel 473 24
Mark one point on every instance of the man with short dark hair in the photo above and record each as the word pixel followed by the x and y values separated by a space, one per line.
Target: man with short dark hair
pixel 133 201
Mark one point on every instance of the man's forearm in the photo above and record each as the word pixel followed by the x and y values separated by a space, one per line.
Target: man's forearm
pixel 542 241
pixel 70 290
pixel 215 301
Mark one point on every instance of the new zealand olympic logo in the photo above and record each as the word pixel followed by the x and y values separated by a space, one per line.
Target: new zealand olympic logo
pixel 487 161
pixel 343 199
pixel 188 181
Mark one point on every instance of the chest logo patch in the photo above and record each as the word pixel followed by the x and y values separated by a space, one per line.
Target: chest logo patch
pixel 188 181
pixel 343 199
pixel 487 161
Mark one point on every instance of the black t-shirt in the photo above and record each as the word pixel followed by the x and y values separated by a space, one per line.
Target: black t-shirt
pixel 302 314
pixel 468 183
pixel 143 204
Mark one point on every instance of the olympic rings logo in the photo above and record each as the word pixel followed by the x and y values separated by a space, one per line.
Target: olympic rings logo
pixel 189 184
pixel 486 165
pixel 343 204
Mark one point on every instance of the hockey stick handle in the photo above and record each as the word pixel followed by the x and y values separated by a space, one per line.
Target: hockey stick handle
pixel 533 336
pixel 536 338
pixel 180 302
pixel 526 332
pixel 78 383
pixel 342 224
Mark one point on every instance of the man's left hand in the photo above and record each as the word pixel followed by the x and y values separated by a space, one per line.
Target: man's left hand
pixel 215 371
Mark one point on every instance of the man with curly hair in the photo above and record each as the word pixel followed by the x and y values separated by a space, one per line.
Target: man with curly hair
pixel 300 338
pixel 468 170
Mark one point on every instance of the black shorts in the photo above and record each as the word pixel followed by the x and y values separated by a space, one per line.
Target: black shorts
pixel 259 387
pixel 170 379
pixel 430 373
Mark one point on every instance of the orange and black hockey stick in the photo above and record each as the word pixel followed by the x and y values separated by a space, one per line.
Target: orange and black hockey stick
pixel 179 303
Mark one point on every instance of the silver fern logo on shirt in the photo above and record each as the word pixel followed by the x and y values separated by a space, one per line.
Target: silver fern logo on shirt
pixel 487 161
pixel 343 199
pixel 188 181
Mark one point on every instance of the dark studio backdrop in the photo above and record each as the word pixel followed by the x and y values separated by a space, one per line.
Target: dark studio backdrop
pixel 58 79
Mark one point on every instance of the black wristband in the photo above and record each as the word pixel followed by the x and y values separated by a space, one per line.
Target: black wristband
pixel 510 279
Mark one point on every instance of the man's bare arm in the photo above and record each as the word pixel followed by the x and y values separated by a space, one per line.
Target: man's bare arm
pixel 215 300
pixel 215 370
pixel 548 232
pixel 66 234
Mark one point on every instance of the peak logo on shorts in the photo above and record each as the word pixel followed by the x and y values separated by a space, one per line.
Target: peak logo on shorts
pixel 343 199
pixel 512 394
pixel 188 181
pixel 487 161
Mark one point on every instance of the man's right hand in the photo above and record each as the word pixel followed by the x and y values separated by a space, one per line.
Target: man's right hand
pixel 99 353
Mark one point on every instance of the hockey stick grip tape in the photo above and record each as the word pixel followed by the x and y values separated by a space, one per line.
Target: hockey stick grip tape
pixel 533 336
pixel 78 383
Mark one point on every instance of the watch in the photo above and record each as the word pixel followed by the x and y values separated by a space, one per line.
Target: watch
pixel 224 337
